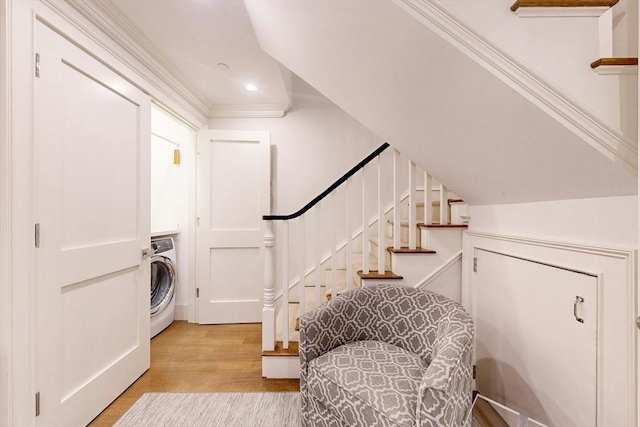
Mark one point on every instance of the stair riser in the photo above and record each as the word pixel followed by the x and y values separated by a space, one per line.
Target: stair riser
pixel 404 235
pixel 445 240
pixel 373 251
pixel 415 267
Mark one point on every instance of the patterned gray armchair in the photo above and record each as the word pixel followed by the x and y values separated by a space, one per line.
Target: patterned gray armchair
pixel 386 355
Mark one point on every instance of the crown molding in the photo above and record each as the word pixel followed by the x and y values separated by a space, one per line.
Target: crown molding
pixel 249 111
pixel 123 40
pixel 610 142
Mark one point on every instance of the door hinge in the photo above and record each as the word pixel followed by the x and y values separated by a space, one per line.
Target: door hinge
pixel 475 264
pixel 197 292
pixel 37 65
pixel 37 404
pixel 197 221
pixel 37 235
pixel 474 372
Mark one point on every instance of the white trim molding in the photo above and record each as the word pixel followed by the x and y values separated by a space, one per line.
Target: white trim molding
pixel 440 270
pixel 6 347
pixel 616 70
pixel 610 142
pixel 616 270
pixel 249 111
pixel 560 12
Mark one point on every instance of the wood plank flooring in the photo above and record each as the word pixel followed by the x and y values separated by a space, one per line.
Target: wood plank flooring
pixel 200 358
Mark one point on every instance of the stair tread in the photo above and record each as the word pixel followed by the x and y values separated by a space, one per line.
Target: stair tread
pixel 614 61
pixel 293 350
pixel 373 274
pixel 421 225
pixel 406 250
pixel 562 3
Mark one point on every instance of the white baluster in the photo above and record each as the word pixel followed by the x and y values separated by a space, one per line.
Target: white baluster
pixel 334 255
pixel 349 249
pixel 397 231
pixel 318 271
pixel 412 205
pixel 301 283
pixel 365 226
pixel 427 199
pixel 444 205
pixel 381 222
pixel 268 310
pixel 285 286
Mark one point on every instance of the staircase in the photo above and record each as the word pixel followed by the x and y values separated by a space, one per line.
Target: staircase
pixel 456 103
pixel 412 239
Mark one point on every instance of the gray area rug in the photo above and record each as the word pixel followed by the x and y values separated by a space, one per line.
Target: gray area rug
pixel 214 409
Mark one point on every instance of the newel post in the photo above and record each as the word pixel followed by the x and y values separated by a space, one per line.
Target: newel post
pixel 268 310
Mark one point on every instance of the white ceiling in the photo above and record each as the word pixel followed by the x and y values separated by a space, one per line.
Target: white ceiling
pixel 196 35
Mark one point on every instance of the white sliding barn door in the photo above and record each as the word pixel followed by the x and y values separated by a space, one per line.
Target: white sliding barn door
pixel 532 352
pixel 233 194
pixel 91 165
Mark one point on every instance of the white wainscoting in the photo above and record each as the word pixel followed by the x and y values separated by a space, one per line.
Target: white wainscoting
pixel 616 377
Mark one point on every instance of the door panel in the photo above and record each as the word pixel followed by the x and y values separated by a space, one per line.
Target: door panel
pixel 532 354
pixel 233 194
pixel 99 335
pixel 92 203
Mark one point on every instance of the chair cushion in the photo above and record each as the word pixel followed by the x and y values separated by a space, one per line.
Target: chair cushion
pixel 368 383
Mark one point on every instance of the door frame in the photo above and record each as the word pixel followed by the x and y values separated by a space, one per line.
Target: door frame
pixel 617 270
pixel 5 216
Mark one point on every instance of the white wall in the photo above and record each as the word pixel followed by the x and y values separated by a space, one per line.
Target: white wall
pixel 312 146
pixel 607 221
pixel 172 204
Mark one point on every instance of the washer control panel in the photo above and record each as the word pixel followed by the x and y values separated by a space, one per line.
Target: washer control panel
pixel 162 245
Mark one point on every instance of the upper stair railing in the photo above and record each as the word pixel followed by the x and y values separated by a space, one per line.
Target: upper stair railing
pixel 370 189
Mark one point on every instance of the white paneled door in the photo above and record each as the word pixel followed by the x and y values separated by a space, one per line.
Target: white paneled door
pixel 233 194
pixel 536 347
pixel 91 168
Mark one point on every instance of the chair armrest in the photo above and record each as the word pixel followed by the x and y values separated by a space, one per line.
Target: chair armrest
pixel 349 317
pixel 445 393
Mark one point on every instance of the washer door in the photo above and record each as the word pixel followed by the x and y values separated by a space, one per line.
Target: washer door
pixel 163 283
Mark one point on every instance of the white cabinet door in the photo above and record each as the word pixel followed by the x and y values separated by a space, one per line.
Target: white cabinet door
pixel 532 354
pixel 91 166
pixel 233 194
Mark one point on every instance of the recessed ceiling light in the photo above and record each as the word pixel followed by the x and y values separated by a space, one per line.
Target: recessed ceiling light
pixel 223 66
pixel 251 87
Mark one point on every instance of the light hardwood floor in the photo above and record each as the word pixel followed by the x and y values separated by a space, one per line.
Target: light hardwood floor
pixel 200 358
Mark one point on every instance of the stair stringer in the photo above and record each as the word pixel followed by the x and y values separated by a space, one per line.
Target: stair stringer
pixel 441 95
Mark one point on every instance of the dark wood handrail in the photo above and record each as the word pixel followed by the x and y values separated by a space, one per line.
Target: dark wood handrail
pixel 332 187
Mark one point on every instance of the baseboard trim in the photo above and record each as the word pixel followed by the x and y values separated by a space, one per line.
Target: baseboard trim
pixel 181 312
pixel 281 367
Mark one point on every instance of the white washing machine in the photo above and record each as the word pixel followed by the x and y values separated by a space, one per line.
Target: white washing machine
pixel 164 280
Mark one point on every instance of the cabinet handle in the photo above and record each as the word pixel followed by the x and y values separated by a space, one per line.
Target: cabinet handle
pixel 575 308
